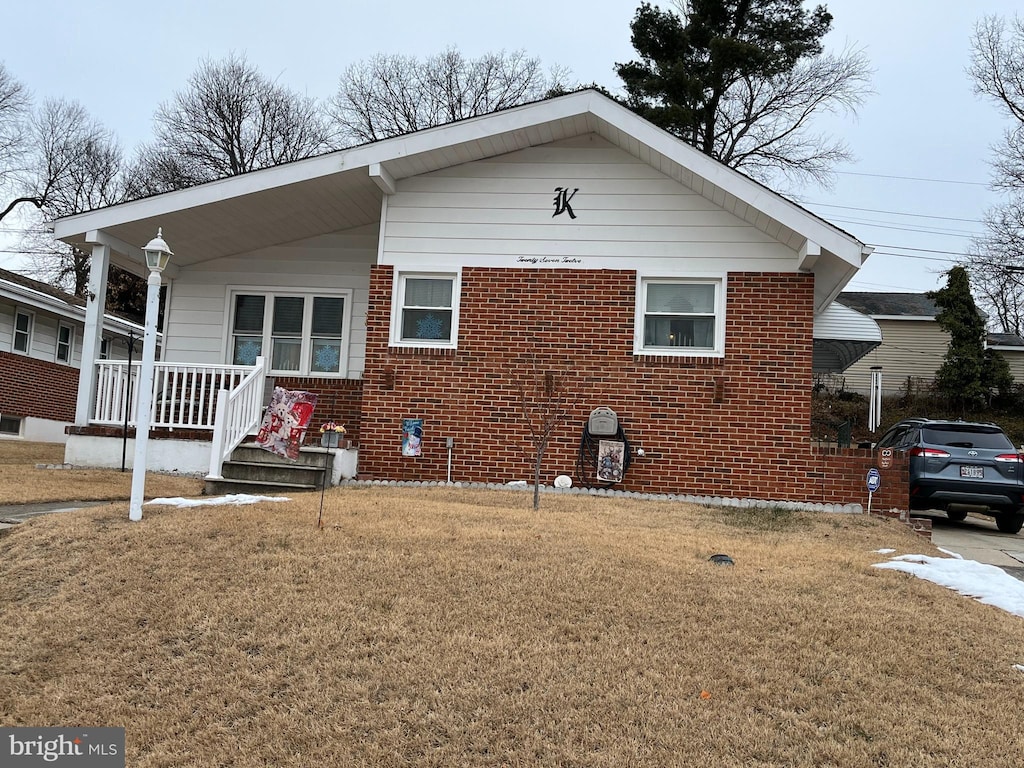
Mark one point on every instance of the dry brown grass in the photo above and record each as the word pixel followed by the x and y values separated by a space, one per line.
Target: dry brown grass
pixel 22 483
pixel 433 627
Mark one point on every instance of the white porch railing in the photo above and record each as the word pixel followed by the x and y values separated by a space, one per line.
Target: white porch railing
pixel 184 396
pixel 239 410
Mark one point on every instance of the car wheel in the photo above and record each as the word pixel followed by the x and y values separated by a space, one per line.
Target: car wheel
pixel 956 516
pixel 1009 522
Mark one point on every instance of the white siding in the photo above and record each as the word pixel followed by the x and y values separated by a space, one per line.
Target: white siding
pixel 44 332
pixel 1015 359
pixel 6 325
pixel 499 212
pixel 909 348
pixel 196 329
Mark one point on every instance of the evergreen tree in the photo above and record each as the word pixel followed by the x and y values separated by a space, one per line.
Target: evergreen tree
pixel 964 375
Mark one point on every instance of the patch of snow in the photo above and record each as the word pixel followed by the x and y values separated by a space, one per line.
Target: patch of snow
pixel 884 551
pixel 231 498
pixel 985 583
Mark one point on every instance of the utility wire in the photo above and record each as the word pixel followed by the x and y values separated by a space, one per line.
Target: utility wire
pixel 914 178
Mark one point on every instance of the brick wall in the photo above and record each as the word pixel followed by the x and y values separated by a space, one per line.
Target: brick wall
pixel 738 426
pixel 30 387
pixel 841 477
pixel 337 400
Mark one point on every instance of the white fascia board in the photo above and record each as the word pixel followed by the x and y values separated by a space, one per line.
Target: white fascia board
pixel 193 197
pixel 927 318
pixel 37 299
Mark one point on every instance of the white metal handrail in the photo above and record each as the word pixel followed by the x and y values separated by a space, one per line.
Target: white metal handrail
pixel 184 396
pixel 239 411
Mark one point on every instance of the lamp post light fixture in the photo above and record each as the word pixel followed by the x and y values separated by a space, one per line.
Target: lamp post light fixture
pixel 157 256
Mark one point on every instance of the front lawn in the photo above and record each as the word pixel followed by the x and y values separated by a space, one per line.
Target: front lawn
pixel 442 627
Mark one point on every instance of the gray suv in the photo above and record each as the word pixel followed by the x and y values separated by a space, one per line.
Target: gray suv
pixel 961 467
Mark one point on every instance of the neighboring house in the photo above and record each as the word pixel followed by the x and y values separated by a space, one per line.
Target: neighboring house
pixel 399 279
pixel 41 332
pixel 1011 347
pixel 913 343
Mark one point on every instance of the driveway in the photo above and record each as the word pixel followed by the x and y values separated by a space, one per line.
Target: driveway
pixel 977 538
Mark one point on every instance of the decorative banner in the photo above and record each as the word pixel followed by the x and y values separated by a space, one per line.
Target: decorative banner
pixel 285 422
pixel 412 436
pixel 610 455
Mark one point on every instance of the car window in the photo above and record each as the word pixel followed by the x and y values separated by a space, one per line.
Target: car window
pixel 967 437
pixel 909 438
pixel 892 437
pixel 887 439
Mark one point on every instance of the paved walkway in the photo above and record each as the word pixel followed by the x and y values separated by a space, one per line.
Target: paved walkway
pixel 12 514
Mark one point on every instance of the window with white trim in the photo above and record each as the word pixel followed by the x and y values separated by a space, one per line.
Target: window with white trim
pixel 425 310
pixel 300 333
pixel 22 331
pixel 680 316
pixel 104 349
pixel 65 343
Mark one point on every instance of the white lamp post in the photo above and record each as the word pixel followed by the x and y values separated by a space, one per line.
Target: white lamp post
pixel 157 256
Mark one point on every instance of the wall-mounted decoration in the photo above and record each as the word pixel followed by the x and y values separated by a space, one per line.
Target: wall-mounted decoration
pixel 561 201
pixel 412 436
pixel 285 422
pixel 610 457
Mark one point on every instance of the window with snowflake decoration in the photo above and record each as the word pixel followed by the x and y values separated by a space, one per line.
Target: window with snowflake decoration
pixel 299 332
pixel 427 309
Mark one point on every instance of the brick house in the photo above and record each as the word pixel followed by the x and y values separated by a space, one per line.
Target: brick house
pixel 397 280
pixel 40 356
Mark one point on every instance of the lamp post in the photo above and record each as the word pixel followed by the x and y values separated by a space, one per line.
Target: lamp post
pixel 157 256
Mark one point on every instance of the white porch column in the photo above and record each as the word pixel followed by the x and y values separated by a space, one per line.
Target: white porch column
pixel 95 306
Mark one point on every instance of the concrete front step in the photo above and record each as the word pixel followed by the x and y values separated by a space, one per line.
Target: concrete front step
pixel 308 456
pixel 254 470
pixel 268 472
pixel 223 486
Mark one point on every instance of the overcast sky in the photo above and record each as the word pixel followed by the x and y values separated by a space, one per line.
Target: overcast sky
pixel 921 141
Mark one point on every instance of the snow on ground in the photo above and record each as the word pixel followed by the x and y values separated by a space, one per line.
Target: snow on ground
pixel 987 584
pixel 231 498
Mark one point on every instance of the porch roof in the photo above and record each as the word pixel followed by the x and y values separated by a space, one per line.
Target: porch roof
pixel 842 336
pixel 344 189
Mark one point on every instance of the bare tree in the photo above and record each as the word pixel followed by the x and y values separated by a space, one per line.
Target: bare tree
pixel 75 164
pixel 391 95
pixel 996 264
pixel 996 260
pixel 14 110
pixel 229 120
pixel 764 124
pixel 546 391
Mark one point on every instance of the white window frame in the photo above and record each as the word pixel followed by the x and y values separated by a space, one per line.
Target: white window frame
pixel 269 294
pixel 717 280
pixel 28 334
pixel 71 344
pixel 397 304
